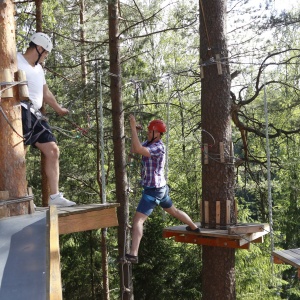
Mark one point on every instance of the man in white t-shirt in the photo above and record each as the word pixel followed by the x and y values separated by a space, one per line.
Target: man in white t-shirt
pixel 36 129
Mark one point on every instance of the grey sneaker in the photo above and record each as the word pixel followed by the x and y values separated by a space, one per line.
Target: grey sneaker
pixel 59 200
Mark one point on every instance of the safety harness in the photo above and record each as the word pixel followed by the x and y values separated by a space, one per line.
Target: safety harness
pixel 39 118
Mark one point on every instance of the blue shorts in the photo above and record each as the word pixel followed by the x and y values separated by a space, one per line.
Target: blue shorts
pixel 153 197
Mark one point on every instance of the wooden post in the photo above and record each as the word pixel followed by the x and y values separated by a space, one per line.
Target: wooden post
pixel 206 212
pixel 218 213
pixel 6 77
pixel 228 204
pixel 219 66
pixel 12 155
pixel 23 88
pixel 201 70
pixel 55 287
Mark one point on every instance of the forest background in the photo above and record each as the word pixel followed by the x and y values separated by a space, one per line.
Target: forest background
pixel 159 51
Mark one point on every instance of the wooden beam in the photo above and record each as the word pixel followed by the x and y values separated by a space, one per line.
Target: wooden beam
pixel 214 242
pixel 228 204
pixel 55 287
pixel 246 228
pixel 77 218
pixel 6 76
pixel 23 88
pixel 219 66
pixel 288 256
pixel 247 238
pixel 206 212
pixel 218 212
pixel 214 237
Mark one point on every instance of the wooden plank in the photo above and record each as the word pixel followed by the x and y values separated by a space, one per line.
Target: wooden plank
pixel 82 220
pixel 6 76
pixel 218 212
pixel 285 256
pixel 55 287
pixel 277 260
pixel 23 88
pixel 206 212
pixel 201 69
pixel 243 240
pixel 260 240
pixel 246 228
pixel 247 238
pixel 228 203
pixel 219 66
pixel 78 209
pixel 295 253
pixel 214 242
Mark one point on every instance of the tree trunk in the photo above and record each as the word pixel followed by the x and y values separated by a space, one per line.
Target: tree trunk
pixel 12 162
pixel 45 186
pixel 119 145
pixel 217 173
pixel 82 41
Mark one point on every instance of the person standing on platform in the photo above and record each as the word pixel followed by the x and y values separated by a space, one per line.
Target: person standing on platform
pixel 36 130
pixel 155 188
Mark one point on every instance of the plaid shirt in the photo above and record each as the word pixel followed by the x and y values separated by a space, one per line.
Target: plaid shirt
pixel 153 166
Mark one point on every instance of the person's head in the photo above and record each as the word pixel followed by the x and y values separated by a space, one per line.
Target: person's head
pixel 156 129
pixel 42 44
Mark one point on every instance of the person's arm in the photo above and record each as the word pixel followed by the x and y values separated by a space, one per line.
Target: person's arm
pixel 136 146
pixel 51 101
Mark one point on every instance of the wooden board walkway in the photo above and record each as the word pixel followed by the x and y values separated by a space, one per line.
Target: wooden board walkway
pixel 23 257
pixel 291 257
pixel 238 236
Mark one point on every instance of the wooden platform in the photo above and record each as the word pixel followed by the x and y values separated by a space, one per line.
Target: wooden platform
pixel 291 257
pixel 85 217
pixel 239 236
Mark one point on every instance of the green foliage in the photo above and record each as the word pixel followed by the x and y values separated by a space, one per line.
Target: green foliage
pixel 166 268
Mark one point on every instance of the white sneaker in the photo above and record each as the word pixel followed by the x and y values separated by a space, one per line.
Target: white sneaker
pixel 59 200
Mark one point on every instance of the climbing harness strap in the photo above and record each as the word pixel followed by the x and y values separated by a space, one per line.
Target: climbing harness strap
pixel 30 115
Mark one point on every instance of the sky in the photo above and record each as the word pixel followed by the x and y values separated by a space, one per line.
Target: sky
pixel 285 4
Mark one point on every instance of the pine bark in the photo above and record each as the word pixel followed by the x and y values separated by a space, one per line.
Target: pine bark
pixel 12 156
pixel 119 146
pixel 217 177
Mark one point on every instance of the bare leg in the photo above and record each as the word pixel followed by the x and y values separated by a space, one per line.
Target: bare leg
pixel 51 152
pixel 137 232
pixel 180 215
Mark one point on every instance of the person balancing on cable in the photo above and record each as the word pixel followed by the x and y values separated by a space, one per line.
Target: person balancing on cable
pixel 36 129
pixel 155 188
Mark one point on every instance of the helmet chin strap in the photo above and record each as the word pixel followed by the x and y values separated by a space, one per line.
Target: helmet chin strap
pixel 153 138
pixel 40 54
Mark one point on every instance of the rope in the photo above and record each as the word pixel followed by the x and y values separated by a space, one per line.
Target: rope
pixel 208 40
pixel 268 172
pixel 9 123
pixel 11 84
pixel 103 183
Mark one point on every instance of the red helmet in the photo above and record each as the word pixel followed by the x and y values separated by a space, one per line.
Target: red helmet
pixel 158 125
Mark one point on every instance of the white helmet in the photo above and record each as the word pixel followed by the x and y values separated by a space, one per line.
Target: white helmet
pixel 43 40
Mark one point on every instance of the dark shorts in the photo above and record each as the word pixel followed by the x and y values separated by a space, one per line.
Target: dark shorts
pixel 37 130
pixel 153 197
